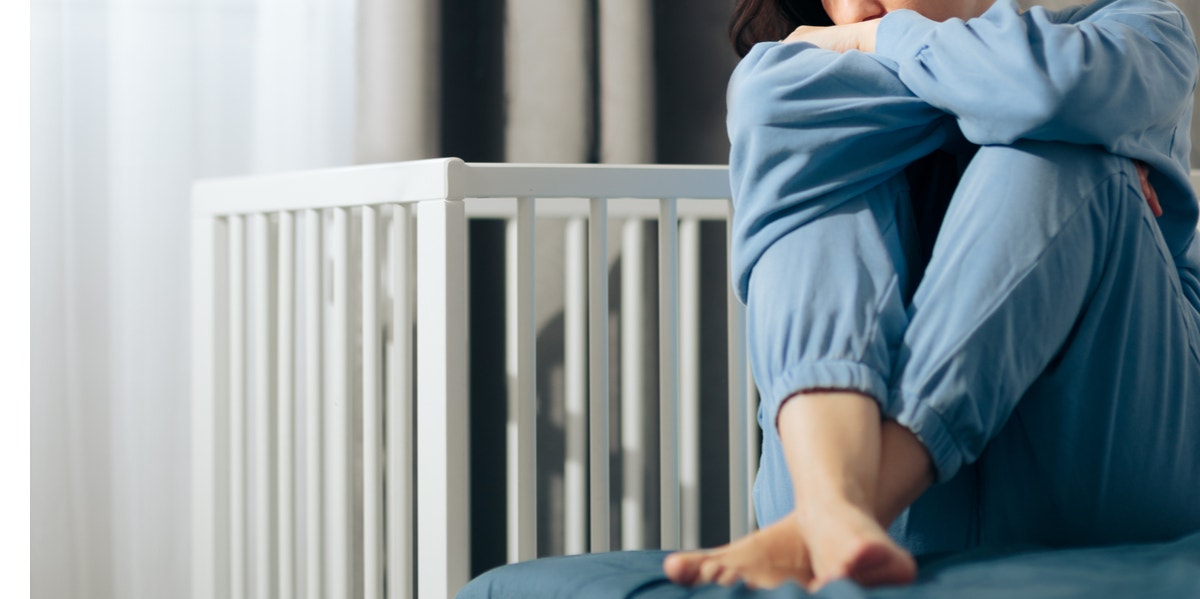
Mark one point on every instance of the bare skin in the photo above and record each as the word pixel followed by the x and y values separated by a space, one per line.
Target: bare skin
pixel 857 476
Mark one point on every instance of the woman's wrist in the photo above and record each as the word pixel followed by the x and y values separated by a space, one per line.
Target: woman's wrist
pixel 867 33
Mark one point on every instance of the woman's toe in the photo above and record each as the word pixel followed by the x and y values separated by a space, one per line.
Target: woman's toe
pixel 682 568
pixel 710 569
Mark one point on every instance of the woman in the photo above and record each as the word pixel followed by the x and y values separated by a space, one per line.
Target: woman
pixel 967 243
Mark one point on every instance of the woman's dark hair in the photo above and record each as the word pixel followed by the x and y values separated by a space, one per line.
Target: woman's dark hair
pixel 756 21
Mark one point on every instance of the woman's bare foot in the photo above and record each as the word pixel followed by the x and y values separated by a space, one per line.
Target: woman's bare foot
pixel 838 541
pixel 846 542
pixel 765 558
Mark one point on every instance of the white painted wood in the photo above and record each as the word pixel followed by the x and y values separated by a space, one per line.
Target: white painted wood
pixel 578 207
pixel 337 415
pixel 442 441
pixel 263 397
pixel 327 554
pixel 372 411
pixel 598 416
pixel 329 188
pixel 739 503
pixel 689 383
pixel 314 484
pixel 451 178
pixel 398 409
pixel 285 404
pixel 575 316
pixel 210 437
pixel 668 373
pixel 237 408
pixel 633 493
pixel 522 404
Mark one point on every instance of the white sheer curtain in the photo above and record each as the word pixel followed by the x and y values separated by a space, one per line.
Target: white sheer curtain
pixel 130 101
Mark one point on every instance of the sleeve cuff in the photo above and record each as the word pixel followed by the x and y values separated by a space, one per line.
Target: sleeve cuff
pixel 901 34
pixel 927 424
pixel 833 374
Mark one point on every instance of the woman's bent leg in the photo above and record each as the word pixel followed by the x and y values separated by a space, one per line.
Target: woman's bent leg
pixel 1051 337
pixel 826 311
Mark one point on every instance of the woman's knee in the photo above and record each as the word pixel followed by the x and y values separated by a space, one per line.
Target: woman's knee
pixel 1029 191
pixel 1032 173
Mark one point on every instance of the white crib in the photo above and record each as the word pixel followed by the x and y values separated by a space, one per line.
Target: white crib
pixel 307 289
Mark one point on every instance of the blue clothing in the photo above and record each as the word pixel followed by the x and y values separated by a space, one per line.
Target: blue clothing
pixel 1047 351
pixel 1042 337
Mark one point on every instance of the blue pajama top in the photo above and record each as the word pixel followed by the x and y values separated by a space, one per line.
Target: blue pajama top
pixel 817 128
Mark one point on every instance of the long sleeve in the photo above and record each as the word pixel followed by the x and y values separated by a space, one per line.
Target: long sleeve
pixel 1116 73
pixel 810 129
pixel 1092 75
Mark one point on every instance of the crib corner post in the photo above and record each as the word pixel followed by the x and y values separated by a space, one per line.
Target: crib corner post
pixel 443 543
pixel 208 380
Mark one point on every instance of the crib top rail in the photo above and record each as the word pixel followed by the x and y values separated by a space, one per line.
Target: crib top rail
pixel 453 179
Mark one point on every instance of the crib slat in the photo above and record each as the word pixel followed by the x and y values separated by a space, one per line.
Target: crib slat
pixel 442 441
pixel 575 400
pixel 598 374
pixel 739 504
pixel 522 403
pixel 668 378
pixel 209 418
pixel 689 382
pixel 399 410
pixel 632 384
pixel 285 401
pixel 372 443
pixel 338 491
pixel 264 416
pixel 237 407
pixel 313 415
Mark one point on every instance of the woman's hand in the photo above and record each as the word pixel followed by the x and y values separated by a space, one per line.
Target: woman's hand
pixel 839 38
pixel 1147 190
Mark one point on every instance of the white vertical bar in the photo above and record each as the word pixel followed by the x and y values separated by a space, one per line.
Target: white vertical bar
pixel 522 403
pixel 264 413
pixel 739 504
pixel 313 416
pixel 372 421
pixel 442 441
pixel 633 495
pixel 209 390
pixel 598 374
pixel 575 365
pixel 237 407
pixel 399 411
pixel 285 403
pixel 668 377
pixel 689 382
pixel 338 491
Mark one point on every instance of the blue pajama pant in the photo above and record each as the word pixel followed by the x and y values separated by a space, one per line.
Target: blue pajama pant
pixel 1047 355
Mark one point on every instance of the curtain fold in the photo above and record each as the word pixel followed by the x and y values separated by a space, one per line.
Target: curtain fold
pixel 131 100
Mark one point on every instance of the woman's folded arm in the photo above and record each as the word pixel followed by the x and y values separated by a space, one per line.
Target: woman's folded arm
pixel 810 129
pixel 1092 75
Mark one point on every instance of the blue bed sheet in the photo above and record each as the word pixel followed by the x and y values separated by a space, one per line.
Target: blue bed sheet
pixel 1159 570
